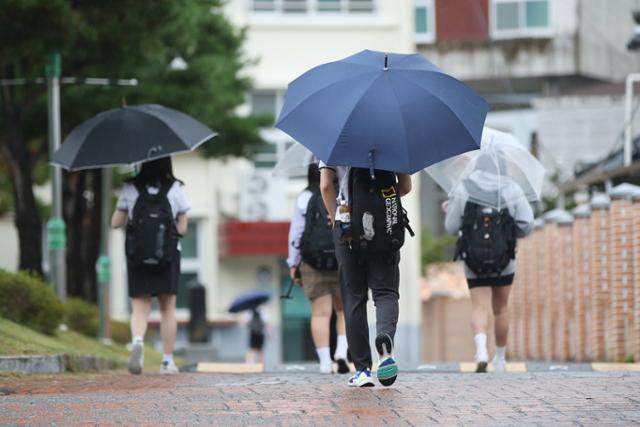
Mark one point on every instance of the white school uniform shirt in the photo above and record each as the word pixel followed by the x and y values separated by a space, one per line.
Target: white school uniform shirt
pixel 176 195
pixel 297 227
pixel 342 172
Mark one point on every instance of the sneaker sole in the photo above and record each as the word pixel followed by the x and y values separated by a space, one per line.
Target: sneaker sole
pixel 343 367
pixel 135 367
pixel 481 367
pixel 367 384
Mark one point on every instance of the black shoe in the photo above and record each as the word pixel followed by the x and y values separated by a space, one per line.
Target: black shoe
pixel 481 367
pixel 343 366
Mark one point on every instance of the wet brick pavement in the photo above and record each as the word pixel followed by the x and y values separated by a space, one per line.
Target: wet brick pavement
pixel 288 399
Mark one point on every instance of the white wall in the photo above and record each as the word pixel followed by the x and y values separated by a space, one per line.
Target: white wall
pixel 288 45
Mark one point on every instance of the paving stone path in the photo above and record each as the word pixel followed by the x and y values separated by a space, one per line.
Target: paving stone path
pixel 287 399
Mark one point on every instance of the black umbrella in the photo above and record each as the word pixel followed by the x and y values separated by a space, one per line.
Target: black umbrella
pixel 128 135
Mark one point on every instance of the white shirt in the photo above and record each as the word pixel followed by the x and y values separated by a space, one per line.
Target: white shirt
pixel 342 172
pixel 297 227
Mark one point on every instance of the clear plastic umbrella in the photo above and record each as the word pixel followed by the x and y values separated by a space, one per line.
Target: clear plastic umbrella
pixel 500 173
pixel 294 162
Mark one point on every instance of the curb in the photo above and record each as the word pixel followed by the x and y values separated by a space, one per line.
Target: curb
pixel 55 364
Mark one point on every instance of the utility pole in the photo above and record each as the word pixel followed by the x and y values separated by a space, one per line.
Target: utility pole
pixel 56 229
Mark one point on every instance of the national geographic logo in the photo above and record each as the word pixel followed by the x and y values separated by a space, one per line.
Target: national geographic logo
pixel 391 203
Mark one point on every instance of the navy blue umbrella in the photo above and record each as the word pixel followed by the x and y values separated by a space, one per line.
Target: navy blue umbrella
pixel 249 300
pixel 389 111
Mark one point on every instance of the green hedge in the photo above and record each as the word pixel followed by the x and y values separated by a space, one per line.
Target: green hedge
pixel 82 317
pixel 27 300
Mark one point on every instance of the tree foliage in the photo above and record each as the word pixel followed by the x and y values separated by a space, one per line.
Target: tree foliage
pixel 119 39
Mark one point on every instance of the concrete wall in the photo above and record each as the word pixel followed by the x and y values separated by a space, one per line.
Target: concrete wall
pixel 514 58
pixel 595 124
pixel 605 29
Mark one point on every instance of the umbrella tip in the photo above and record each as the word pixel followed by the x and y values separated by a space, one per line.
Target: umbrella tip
pixel 386 62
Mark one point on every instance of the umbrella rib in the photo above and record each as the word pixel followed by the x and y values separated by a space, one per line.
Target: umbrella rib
pixel 354 109
pixel 404 124
pixel 316 92
pixel 441 100
pixel 448 108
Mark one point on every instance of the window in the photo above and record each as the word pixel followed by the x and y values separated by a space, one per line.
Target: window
pixel 425 21
pixel 520 18
pixel 264 102
pixel 313 6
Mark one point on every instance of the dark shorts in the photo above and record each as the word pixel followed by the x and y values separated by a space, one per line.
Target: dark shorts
pixel 256 341
pixel 491 281
pixel 143 281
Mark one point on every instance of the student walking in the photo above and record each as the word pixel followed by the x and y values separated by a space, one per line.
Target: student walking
pixel 153 206
pixel 313 265
pixel 368 226
pixel 487 244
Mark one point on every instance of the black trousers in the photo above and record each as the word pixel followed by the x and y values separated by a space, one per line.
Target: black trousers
pixel 358 274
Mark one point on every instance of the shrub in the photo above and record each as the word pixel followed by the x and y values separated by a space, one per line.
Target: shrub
pixel 120 331
pixel 27 300
pixel 81 316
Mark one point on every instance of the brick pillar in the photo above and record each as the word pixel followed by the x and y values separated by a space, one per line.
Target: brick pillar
pixel 636 270
pixel 525 259
pixel 620 329
pixel 581 280
pixel 536 292
pixel 564 292
pixel 549 287
pixel 599 273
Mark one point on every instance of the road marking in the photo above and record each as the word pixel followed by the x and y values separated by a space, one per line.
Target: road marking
pixel 427 367
pixel 230 368
pixel 616 367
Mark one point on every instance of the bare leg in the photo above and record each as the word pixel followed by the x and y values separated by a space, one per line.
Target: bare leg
pixel 480 303
pixel 499 301
pixel 168 324
pixel 141 307
pixel 320 319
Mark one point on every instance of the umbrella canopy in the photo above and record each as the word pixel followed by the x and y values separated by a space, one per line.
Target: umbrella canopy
pixel 389 111
pixel 249 300
pixel 128 135
pixel 294 162
pixel 501 172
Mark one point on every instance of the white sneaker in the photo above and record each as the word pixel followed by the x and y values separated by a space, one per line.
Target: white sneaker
pixel 136 360
pixel 482 360
pixel 168 368
pixel 499 365
pixel 326 369
pixel 362 379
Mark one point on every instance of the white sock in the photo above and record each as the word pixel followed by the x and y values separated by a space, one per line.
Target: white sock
pixel 324 355
pixel 341 347
pixel 481 347
pixel 501 353
pixel 137 340
pixel 167 358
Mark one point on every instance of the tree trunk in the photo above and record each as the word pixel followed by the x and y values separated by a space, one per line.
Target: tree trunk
pixel 14 151
pixel 82 209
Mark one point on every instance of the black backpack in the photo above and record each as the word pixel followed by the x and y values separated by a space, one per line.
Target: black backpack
pixel 487 240
pixel 316 244
pixel 378 220
pixel 152 237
